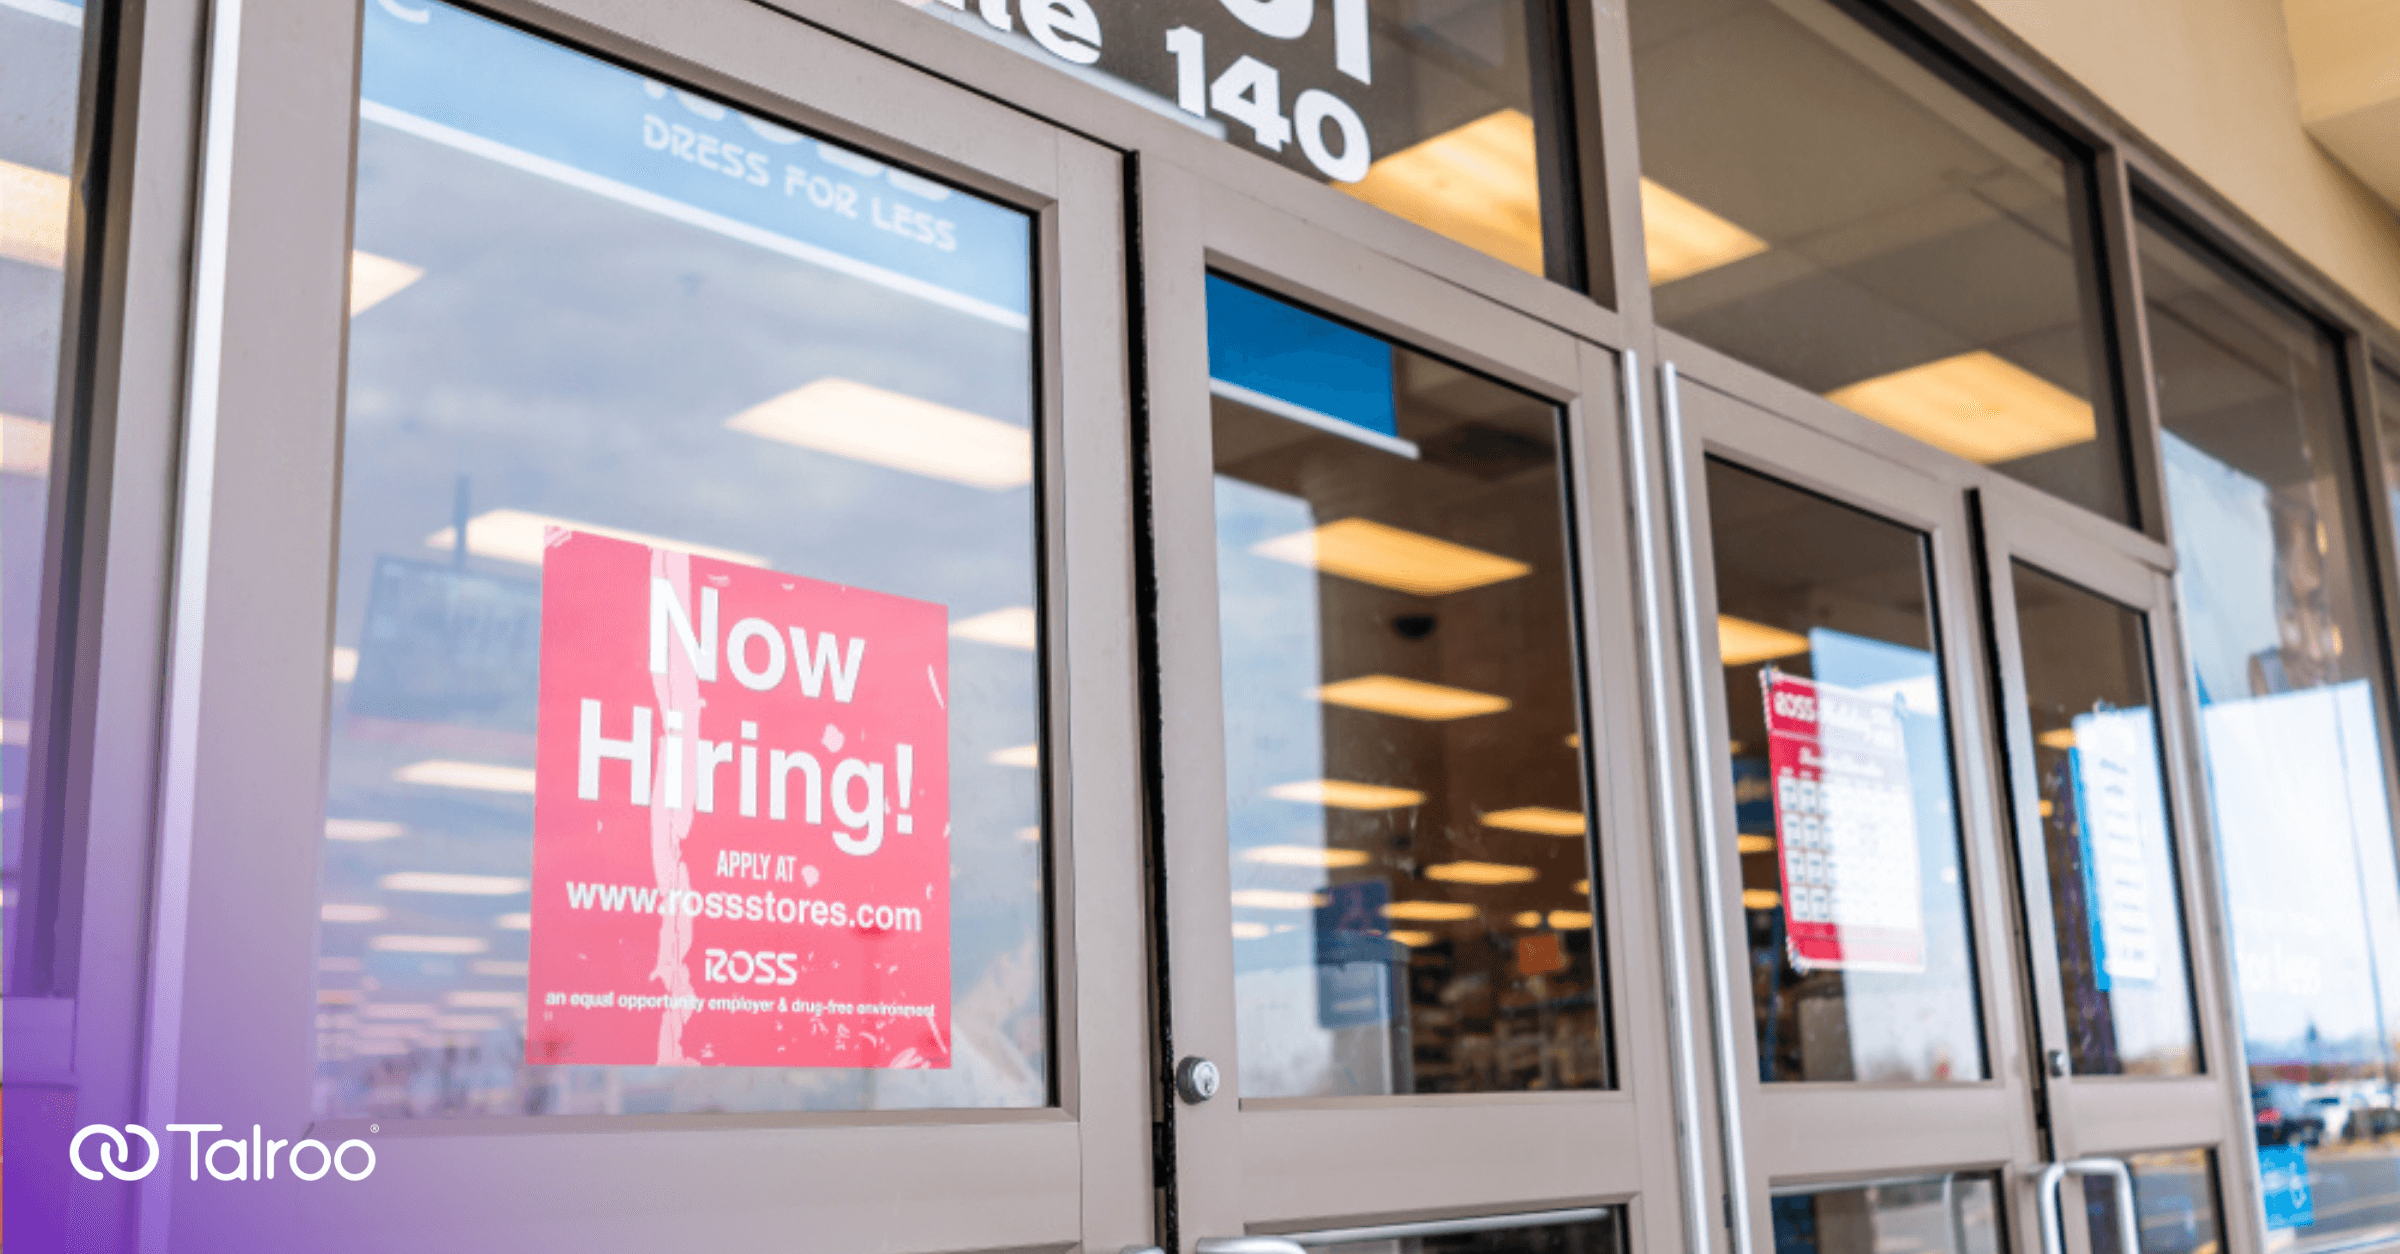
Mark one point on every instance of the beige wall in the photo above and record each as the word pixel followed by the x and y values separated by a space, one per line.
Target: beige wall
pixel 2211 82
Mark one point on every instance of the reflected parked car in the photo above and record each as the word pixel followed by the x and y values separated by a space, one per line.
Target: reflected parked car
pixel 2281 1113
pixel 2330 1115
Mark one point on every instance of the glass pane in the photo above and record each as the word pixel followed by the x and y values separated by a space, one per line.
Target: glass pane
pixel 41 70
pixel 2274 594
pixel 1451 114
pixel 632 401
pixel 1604 1235
pixel 1952 1214
pixel 2174 1197
pixel 1821 205
pixel 1404 786
pixel 1860 963
pixel 2114 907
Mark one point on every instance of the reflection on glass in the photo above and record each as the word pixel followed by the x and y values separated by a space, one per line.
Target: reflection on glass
pixel 1948 1214
pixel 1916 260
pixel 1451 115
pixel 1411 880
pixel 41 60
pixel 2114 909
pixel 2275 596
pixel 1602 1235
pixel 583 299
pixel 2175 1200
pixel 1860 963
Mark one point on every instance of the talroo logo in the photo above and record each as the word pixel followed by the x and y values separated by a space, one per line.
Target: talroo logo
pixel 228 1158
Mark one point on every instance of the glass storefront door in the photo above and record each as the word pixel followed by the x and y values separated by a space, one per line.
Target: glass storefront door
pixel 660 554
pixel 2135 1063
pixel 1410 952
pixel 1951 864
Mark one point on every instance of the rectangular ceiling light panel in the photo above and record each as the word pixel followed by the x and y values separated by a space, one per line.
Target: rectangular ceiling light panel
pixel 1410 698
pixel 1342 794
pixel 374 280
pixel 1540 820
pixel 1011 628
pixel 1480 873
pixel 1388 557
pixel 1276 899
pixel 449 882
pixel 515 535
pixel 1431 911
pixel 362 829
pixel 1741 642
pixel 474 776
pixel 1479 184
pixel 866 423
pixel 33 216
pixel 1304 855
pixel 428 944
pixel 1978 405
pixel 1683 239
pixel 24 445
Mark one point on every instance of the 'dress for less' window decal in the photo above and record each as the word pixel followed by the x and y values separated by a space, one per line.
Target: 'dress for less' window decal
pixel 741 817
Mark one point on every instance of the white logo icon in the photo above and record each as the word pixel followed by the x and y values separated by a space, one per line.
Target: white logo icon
pixel 228 1158
pixel 113 1150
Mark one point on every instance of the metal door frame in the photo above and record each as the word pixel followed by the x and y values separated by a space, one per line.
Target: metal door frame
pixel 1823 1133
pixel 1294 1165
pixel 244 743
pixel 2118 1115
pixel 1805 440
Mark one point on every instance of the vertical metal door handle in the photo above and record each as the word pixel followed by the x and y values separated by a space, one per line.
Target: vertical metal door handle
pixel 2054 1231
pixel 1248 1245
pixel 1702 749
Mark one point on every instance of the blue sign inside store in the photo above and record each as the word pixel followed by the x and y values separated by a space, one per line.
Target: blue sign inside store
pixel 1306 366
pixel 2283 1187
pixel 1354 955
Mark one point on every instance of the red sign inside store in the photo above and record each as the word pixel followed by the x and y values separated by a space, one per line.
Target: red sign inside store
pixel 1845 828
pixel 741 817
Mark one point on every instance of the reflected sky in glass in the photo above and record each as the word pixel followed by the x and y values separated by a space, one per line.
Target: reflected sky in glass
pixel 1411 881
pixel 581 296
pixel 41 62
pixel 2115 911
pixel 1816 597
pixel 2275 610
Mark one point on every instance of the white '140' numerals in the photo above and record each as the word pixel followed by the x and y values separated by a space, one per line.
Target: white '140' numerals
pixel 1250 92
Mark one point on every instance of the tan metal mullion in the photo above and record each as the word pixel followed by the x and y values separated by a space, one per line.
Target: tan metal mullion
pixel 2035 905
pixel 2208 923
pixel 115 698
pixel 1677 787
pixel 2382 535
pixel 1732 1027
pixel 2007 1007
pixel 1610 133
pixel 2129 314
pixel 1627 879
pixel 1099 870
